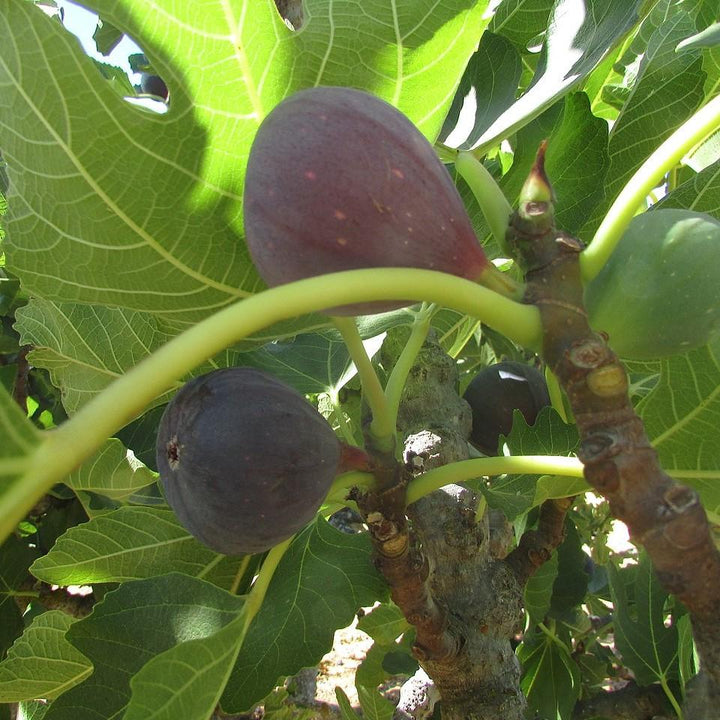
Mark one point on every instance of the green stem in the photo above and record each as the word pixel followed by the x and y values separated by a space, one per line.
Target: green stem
pixel 382 426
pixel 398 376
pixel 555 393
pixel 259 589
pixel 239 574
pixel 481 508
pixel 345 482
pixel 493 203
pixel 343 424
pixel 671 697
pixel 552 636
pixel 465 470
pixel 66 447
pixel 693 131
pixel 21 593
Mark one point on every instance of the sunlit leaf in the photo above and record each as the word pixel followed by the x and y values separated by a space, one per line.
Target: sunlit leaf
pixel 131 543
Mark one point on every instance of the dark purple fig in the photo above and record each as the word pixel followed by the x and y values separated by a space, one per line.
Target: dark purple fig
pixel 495 392
pixel 154 85
pixel 244 460
pixel 339 180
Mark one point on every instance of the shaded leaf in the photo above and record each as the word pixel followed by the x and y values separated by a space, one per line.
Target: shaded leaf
pixel 111 472
pixel 487 89
pixel 516 494
pixel 646 644
pixel 344 704
pixel 136 623
pixel 551 678
pixel 42 663
pixel 374 705
pixel 15 558
pixel 539 589
pixel 19 441
pixel 521 20
pixel 186 681
pixel 323 578
pixel 571 584
pixel 700 193
pixel 311 363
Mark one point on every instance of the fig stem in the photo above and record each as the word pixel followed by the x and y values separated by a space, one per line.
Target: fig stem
pixel 258 591
pixel 342 422
pixel 491 199
pixel 556 396
pixel 63 449
pixel 406 359
pixel 238 575
pixel 465 470
pixel 694 130
pixel 342 484
pixel 382 426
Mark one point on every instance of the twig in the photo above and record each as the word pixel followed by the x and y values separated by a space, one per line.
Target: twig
pixel 536 546
pixel 406 569
pixel 619 461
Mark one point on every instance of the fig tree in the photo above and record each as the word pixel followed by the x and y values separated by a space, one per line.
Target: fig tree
pixel 659 292
pixel 495 392
pixel 244 460
pixel 338 179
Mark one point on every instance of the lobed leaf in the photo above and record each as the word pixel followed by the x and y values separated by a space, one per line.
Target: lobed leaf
pixel 42 663
pixel 539 590
pixel 136 623
pixel 667 87
pixel 384 623
pixel 186 681
pixel 681 416
pixel 131 543
pixel 516 494
pixel 647 645
pixel 551 678
pixel 321 581
pixel 578 36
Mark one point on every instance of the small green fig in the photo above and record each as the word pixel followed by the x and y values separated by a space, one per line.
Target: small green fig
pixel 659 292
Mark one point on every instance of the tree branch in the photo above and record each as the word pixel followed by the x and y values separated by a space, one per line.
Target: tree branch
pixel 620 462
pixel 536 546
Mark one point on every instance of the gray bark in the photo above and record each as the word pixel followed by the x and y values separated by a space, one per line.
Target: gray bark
pixel 479 591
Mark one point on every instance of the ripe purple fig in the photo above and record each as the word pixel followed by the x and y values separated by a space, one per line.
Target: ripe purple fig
pixel 495 393
pixel 244 460
pixel 338 179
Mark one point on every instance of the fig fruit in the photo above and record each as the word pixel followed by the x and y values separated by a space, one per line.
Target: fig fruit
pixel 659 292
pixel 338 179
pixel 244 460
pixel 495 392
pixel 154 85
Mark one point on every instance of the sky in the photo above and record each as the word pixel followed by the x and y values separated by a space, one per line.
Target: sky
pixel 82 23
